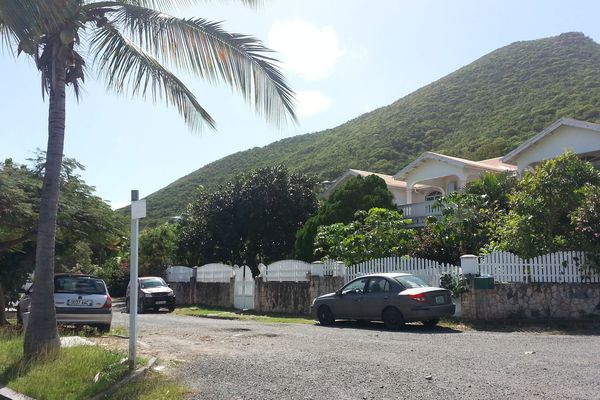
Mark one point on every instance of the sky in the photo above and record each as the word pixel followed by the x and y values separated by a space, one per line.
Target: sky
pixel 341 57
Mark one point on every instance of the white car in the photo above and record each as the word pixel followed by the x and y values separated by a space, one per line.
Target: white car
pixel 79 300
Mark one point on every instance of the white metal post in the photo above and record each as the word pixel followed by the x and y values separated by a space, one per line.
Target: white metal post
pixel 138 210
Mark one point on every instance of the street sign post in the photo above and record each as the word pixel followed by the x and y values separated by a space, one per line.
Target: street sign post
pixel 138 210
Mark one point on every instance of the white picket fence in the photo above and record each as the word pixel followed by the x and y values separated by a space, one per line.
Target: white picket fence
pixel 285 270
pixel 560 267
pixel 428 270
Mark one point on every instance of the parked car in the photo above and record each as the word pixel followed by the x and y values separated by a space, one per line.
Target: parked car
pixel 153 293
pixel 394 298
pixel 79 300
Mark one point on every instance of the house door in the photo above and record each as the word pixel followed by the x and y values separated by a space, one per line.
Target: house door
pixel 243 295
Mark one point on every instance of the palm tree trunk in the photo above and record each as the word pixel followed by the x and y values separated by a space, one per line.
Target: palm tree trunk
pixel 41 337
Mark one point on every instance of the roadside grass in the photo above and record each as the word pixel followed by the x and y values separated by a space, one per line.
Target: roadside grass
pixel 582 326
pixel 152 386
pixel 223 313
pixel 77 373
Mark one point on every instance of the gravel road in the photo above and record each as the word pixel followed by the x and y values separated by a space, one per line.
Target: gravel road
pixel 249 360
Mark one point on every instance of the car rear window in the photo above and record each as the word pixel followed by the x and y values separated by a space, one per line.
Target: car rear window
pixel 152 283
pixel 411 281
pixel 79 284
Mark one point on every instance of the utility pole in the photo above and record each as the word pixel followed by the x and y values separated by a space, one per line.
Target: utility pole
pixel 138 210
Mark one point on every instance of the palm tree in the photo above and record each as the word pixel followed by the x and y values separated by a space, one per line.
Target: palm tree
pixel 128 42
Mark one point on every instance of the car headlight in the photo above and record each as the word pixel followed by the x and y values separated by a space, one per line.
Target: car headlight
pixel 147 294
pixel 171 293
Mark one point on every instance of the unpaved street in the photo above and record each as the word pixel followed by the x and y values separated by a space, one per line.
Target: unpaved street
pixel 249 360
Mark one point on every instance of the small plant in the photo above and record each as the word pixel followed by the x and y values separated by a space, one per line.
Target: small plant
pixel 455 283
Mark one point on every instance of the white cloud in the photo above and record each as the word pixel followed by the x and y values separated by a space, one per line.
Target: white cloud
pixel 311 102
pixel 306 49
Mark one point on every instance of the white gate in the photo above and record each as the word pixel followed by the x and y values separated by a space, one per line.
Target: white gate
pixel 243 295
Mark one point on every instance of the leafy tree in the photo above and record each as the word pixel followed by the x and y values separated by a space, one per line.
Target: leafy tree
pixel 127 41
pixel 377 233
pixel 157 249
pixel 586 221
pixel 357 194
pixel 250 220
pixel 539 220
pixel 88 231
pixel 467 220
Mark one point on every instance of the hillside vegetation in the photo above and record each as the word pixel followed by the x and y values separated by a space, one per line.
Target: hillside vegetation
pixel 479 111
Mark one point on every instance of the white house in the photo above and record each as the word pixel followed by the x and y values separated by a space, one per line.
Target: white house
pixel 432 175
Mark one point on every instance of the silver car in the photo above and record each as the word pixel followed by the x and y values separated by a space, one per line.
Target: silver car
pixel 79 300
pixel 394 298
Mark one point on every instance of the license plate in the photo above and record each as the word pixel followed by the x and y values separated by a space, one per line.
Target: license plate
pixel 161 302
pixel 79 302
pixel 440 300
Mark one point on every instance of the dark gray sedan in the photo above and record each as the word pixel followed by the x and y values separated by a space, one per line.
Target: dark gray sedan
pixel 394 298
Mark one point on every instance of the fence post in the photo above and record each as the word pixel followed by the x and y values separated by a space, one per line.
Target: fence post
pixel 469 264
pixel 316 268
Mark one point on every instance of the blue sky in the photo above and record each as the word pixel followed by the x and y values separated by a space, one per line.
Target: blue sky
pixel 342 57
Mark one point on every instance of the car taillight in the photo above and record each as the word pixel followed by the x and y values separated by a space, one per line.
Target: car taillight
pixel 420 297
pixel 108 302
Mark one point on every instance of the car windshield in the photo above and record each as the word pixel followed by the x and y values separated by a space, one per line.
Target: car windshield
pixel 411 281
pixel 79 285
pixel 152 283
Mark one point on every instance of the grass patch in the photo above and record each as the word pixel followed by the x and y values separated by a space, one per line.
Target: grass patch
pixel 220 313
pixel 78 372
pixel 583 326
pixel 152 386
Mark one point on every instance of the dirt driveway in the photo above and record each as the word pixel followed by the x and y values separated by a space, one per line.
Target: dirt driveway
pixel 248 360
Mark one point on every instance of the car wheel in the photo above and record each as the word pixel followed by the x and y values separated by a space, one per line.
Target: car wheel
pixel 171 309
pixel 103 328
pixel 140 307
pixel 430 323
pixel 127 305
pixel 392 318
pixel 156 308
pixel 325 316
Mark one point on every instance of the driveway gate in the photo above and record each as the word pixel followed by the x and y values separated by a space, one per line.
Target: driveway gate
pixel 243 295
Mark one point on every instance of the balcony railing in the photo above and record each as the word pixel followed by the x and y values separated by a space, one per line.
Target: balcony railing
pixel 419 211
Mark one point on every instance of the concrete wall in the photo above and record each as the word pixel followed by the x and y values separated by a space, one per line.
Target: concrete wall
pixel 293 297
pixel 532 300
pixel 213 294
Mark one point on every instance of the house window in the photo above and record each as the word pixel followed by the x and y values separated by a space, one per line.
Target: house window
pixel 435 195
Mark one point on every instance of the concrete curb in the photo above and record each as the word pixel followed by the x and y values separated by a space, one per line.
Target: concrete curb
pixel 129 378
pixel 9 394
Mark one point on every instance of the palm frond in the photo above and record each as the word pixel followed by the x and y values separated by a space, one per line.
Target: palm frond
pixel 127 68
pixel 207 50
pixel 29 19
pixel 172 4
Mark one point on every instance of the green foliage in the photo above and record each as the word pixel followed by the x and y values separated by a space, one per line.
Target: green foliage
pixel 539 219
pixel 357 194
pixel 586 218
pixel 251 219
pixel 89 233
pixel 454 283
pixel 467 220
pixel 374 234
pixel 482 110
pixel 157 249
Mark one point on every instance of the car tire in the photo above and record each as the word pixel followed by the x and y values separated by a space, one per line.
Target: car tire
pixel 392 318
pixel 103 328
pixel 325 316
pixel 430 323
pixel 171 309
pixel 127 305
pixel 140 307
pixel 156 309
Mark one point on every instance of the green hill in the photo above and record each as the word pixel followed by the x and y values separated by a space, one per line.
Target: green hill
pixel 479 111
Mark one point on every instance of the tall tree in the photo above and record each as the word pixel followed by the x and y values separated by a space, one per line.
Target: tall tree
pixel 128 41
pixel 250 220
pixel 357 194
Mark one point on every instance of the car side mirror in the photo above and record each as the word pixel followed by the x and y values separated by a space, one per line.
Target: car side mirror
pixel 338 292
